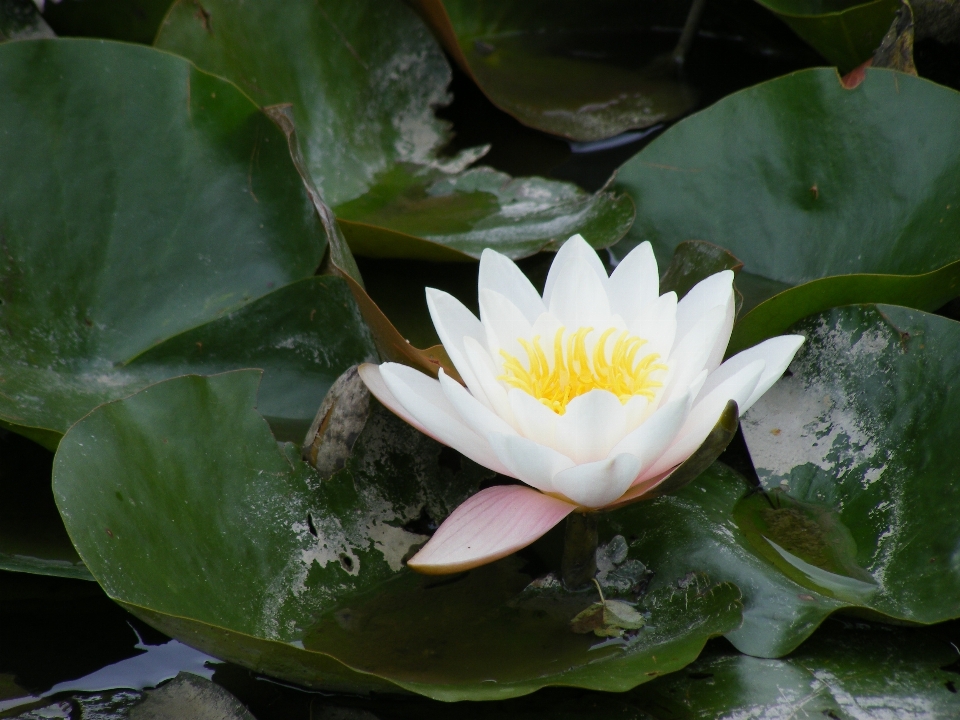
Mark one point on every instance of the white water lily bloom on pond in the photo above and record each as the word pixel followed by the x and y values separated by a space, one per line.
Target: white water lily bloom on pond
pixel 590 395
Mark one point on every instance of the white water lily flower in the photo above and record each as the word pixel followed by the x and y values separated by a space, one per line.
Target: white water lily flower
pixel 590 395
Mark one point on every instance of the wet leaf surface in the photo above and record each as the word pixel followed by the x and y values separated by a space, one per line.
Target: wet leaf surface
pixel 828 196
pixel 847 671
pixel 196 254
pixel 845 32
pixel 364 79
pixel 313 590
pixel 862 433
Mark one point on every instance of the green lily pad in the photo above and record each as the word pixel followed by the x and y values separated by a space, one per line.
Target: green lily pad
pixel 828 196
pixel 848 671
pixel 845 32
pixel 242 550
pixel 858 474
pixel 364 78
pixel 129 20
pixel 21 20
pixel 583 72
pixel 195 253
pixel 864 428
pixel 32 537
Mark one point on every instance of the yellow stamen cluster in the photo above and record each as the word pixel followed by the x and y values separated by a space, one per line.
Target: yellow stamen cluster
pixel 573 374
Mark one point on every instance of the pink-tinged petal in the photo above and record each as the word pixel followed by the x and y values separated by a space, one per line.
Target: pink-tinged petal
pixel 422 397
pixel 635 282
pixel 657 324
pixel 370 374
pixel 500 274
pixel 704 415
pixel 690 355
pixel 528 461
pixel 650 440
pixel 777 353
pixel 576 250
pixel 534 420
pixel 454 323
pixel 592 424
pixel 492 524
pixel 579 296
pixel 475 414
pixel 486 373
pixel 504 325
pixel 711 292
pixel 596 484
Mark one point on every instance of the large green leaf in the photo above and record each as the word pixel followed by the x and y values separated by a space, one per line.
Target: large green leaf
pixel 857 450
pixel 187 512
pixel 846 32
pixel 152 223
pixel 364 77
pixel 583 72
pixel 32 538
pixel 847 671
pixel 801 180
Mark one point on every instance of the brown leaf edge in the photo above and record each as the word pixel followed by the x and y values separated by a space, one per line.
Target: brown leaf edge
pixel 339 261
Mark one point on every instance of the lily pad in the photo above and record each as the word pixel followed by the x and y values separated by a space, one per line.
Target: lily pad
pixel 828 196
pixel 847 671
pixel 364 78
pixel 845 32
pixel 32 537
pixel 243 551
pixel 586 73
pixel 196 253
pixel 864 429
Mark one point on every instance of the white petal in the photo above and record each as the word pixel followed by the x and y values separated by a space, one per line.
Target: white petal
pixel 710 292
pixel 533 419
pixel 574 250
pixel 454 322
pixel 475 414
pixel 723 337
pixel 422 397
pixel 691 353
pixel 579 297
pixel 635 282
pixel 777 352
pixel 527 461
pixel 600 483
pixel 592 425
pixel 500 274
pixel 657 324
pixel 370 374
pixel 704 416
pixel 649 441
pixel 485 371
pixel 636 411
pixel 504 325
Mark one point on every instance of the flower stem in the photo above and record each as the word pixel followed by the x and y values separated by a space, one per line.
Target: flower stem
pixel 579 564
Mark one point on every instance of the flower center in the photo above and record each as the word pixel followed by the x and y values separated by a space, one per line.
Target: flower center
pixel 575 371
